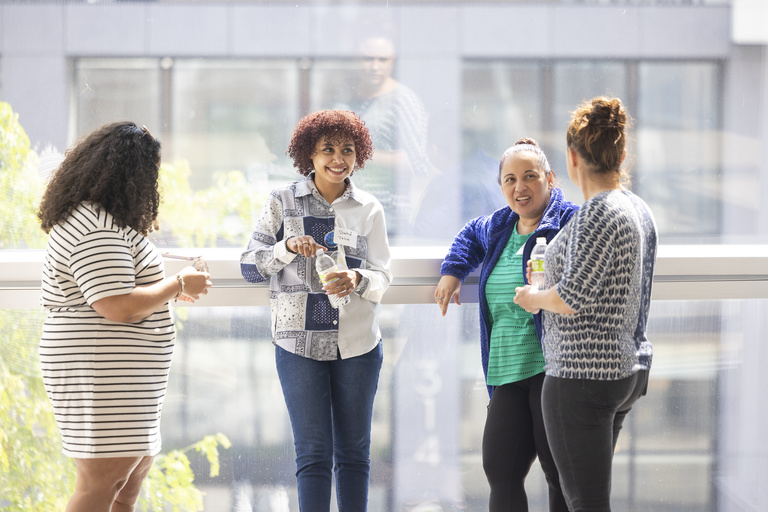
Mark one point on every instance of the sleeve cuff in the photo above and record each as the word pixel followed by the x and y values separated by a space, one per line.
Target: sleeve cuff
pixel 282 253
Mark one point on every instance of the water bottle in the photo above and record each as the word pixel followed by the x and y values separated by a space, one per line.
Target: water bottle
pixel 325 265
pixel 200 265
pixel 538 279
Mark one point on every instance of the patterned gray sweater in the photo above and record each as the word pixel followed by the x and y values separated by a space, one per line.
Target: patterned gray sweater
pixel 602 264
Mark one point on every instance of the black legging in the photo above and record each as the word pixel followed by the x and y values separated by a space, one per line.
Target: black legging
pixel 584 418
pixel 513 436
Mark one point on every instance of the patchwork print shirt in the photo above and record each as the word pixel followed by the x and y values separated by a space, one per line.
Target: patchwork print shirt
pixel 303 321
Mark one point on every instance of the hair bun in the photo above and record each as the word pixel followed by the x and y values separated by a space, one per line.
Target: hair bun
pixel 607 113
pixel 526 140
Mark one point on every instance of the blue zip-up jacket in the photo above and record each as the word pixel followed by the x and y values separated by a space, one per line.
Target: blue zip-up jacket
pixel 482 240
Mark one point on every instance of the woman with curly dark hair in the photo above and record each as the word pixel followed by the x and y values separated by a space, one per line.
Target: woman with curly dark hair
pixel 108 336
pixel 328 359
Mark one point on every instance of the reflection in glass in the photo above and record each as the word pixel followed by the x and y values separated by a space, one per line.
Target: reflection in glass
pixel 675 156
pixel 400 170
pixel 573 82
pixel 678 135
pixel 105 89
pixel 233 114
pixel 430 409
pixel 501 102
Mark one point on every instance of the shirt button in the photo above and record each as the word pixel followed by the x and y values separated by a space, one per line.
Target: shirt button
pixel 335 322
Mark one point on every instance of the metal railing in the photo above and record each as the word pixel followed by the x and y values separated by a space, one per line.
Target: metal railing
pixel 683 272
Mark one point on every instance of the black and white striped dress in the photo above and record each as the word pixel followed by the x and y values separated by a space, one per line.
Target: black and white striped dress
pixel 106 380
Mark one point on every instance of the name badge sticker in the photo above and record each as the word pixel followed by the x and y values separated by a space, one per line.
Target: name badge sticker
pixel 345 237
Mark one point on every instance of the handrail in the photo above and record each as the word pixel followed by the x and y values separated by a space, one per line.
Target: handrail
pixel 683 272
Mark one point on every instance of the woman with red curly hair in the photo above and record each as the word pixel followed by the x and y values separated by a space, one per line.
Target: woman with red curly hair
pixel 109 333
pixel 328 359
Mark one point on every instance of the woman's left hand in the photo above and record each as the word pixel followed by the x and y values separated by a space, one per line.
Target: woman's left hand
pixel 525 297
pixel 345 284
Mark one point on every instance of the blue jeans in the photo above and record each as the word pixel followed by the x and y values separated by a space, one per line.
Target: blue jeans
pixel 583 419
pixel 330 404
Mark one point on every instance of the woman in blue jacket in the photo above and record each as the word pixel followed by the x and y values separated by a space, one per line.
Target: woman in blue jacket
pixel 509 336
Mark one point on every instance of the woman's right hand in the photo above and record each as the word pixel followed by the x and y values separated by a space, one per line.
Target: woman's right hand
pixel 448 287
pixel 196 284
pixel 304 245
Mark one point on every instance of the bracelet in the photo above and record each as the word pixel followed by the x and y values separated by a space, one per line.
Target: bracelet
pixel 288 247
pixel 181 285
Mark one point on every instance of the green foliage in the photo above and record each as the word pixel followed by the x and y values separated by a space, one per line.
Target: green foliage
pixel 204 218
pixel 20 186
pixel 34 475
pixel 171 481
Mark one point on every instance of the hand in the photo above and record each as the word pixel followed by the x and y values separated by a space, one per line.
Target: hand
pixel 304 245
pixel 448 287
pixel 345 283
pixel 196 284
pixel 525 297
pixel 528 270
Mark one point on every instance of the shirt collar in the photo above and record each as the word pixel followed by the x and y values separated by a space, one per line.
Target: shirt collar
pixel 307 186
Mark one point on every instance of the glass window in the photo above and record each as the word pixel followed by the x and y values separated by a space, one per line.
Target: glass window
pixel 680 140
pixel 501 102
pixel 233 115
pixel 106 90
pixel 430 408
pixel 573 83
pixel 674 154
pixel 224 98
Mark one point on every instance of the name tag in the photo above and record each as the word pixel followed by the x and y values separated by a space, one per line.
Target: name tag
pixel 520 251
pixel 346 237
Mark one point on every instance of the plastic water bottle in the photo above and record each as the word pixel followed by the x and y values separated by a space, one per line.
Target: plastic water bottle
pixel 538 278
pixel 200 265
pixel 325 265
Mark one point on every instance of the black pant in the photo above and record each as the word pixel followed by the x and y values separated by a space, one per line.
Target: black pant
pixel 583 420
pixel 514 435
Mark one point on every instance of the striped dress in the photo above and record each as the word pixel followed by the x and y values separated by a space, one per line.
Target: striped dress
pixel 105 380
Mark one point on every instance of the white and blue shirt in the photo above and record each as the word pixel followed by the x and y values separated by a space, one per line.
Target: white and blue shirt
pixel 303 321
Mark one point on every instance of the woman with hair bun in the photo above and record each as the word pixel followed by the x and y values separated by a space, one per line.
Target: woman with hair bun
pixel 599 270
pixel 328 359
pixel 509 336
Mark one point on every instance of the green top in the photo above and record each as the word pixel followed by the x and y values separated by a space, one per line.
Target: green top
pixel 515 352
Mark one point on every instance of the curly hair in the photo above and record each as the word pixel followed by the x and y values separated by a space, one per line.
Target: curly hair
pixel 334 125
pixel 116 167
pixel 525 144
pixel 597 133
